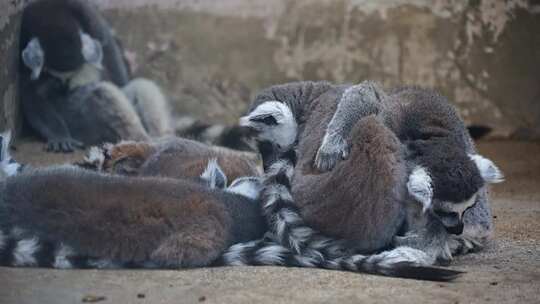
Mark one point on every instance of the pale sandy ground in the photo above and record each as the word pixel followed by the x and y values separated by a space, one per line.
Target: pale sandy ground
pixel 507 272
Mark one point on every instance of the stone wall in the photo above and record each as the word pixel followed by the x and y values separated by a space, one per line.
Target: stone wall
pixel 10 15
pixel 212 56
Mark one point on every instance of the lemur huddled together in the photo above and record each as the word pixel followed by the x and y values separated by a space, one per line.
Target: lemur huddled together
pixel 354 177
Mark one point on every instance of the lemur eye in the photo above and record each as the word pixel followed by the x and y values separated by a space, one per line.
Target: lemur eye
pixel 266 119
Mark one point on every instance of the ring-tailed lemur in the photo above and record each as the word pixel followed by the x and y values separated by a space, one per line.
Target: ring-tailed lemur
pixel 292 243
pixel 447 175
pixel 170 157
pixel 75 88
pixel 68 217
pixel 276 123
pixel 181 152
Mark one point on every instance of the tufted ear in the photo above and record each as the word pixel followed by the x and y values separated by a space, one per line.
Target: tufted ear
pixel 214 175
pixel 420 187
pixel 488 170
pixel 34 57
pixel 92 50
pixel 5 139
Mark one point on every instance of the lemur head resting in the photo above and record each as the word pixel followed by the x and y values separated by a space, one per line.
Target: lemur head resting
pixel 248 186
pixel 273 122
pixel 446 181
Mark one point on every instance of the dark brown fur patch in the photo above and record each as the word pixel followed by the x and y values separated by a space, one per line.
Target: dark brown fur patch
pixel 115 217
pixel 360 198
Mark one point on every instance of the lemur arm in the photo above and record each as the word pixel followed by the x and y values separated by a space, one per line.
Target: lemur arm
pixel 356 102
pixel 96 26
pixel 43 117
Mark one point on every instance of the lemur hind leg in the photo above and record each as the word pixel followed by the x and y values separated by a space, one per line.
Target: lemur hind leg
pixel 197 245
pixel 356 102
pixel 151 105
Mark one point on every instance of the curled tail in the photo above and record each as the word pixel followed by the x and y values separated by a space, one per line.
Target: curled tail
pixel 400 262
pixel 284 218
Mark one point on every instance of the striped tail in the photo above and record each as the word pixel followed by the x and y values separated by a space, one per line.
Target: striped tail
pixel 291 242
pixel 8 166
pixel 284 218
pixel 17 249
pixel 401 262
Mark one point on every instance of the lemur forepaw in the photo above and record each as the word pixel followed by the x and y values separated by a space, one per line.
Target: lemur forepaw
pixel 65 145
pixel 462 245
pixel 332 149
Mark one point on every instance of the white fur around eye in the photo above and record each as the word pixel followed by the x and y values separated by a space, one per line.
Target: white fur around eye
pixel 283 133
pixel 420 187
pixel 488 170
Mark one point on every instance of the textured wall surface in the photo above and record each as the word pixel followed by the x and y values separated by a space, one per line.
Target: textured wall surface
pixel 211 56
pixel 10 14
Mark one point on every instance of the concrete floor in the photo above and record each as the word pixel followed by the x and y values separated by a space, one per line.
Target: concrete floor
pixel 506 272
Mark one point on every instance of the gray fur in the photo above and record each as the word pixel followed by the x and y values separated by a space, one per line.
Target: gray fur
pixel 53 90
pixel 88 219
pixel 402 111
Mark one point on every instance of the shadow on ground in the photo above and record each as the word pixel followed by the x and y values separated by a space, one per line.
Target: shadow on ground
pixel 508 271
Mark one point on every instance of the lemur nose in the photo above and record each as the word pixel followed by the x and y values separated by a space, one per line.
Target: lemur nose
pixel 457 229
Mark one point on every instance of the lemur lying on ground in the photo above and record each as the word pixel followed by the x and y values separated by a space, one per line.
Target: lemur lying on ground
pixel 185 154
pixel 169 156
pixel 419 150
pixel 69 217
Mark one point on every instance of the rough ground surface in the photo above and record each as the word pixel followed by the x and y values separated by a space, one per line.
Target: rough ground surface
pixel 506 272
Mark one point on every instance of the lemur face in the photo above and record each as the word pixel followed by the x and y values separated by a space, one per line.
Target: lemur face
pixel 449 211
pixel 274 122
pixel 61 63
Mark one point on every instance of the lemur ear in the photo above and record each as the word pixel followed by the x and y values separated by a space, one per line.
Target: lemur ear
pixel 213 174
pixel 5 139
pixel 420 187
pixel 488 170
pixel 92 50
pixel 34 57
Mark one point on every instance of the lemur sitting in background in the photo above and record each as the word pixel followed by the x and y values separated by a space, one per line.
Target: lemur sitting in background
pixel 69 217
pixel 369 199
pixel 75 88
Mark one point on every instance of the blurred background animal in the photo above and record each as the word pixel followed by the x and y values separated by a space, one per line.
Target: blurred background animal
pixel 75 84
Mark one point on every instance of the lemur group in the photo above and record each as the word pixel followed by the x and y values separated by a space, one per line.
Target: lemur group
pixel 356 178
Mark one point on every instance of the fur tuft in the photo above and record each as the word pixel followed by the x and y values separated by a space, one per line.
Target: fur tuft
pixel 214 175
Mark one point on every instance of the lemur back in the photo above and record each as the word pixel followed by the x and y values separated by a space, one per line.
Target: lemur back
pixel 362 198
pixel 68 217
pixel 173 157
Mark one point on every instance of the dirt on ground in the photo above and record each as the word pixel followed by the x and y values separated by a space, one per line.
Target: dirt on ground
pixel 507 271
